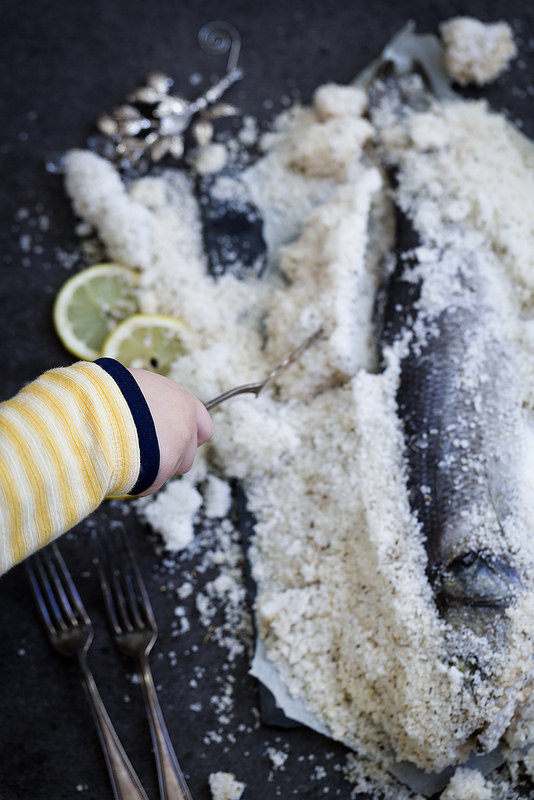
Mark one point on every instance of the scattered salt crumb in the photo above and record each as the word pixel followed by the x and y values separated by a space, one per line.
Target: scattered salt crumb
pixel 185 590
pixel 83 229
pixel 319 773
pixel 43 222
pixel 172 511
pixel 248 134
pixel 333 100
pixel 467 784
pixel 210 159
pixel 278 757
pixel 195 79
pixel 181 616
pixel 476 52
pixel 224 786
pixel 217 497
pixel 25 243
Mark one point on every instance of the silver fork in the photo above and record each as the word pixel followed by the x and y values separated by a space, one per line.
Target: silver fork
pixel 134 631
pixel 70 632
pixel 259 386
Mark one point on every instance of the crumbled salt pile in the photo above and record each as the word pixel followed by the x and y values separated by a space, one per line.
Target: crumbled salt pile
pixel 100 198
pixel 476 52
pixel 225 786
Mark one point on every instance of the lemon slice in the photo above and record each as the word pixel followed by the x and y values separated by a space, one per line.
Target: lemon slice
pixel 90 304
pixel 149 341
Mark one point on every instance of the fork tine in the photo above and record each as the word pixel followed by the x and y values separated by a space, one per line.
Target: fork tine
pixel 117 580
pixel 119 594
pixel 32 565
pixel 58 600
pixel 106 575
pixel 53 603
pixel 124 591
pixel 67 593
pixel 137 589
pixel 132 600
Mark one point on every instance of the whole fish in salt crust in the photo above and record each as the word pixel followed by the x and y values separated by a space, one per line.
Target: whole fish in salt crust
pixel 453 337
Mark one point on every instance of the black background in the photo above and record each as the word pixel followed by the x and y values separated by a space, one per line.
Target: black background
pixel 61 64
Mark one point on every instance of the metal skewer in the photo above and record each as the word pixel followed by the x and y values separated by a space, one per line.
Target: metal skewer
pixel 255 388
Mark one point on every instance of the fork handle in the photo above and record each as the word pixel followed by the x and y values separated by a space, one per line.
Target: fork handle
pixel 124 781
pixel 172 785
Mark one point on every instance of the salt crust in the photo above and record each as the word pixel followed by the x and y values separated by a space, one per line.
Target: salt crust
pixel 452 159
pixel 343 604
pixel 476 52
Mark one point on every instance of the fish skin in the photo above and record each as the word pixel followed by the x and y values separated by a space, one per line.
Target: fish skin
pixel 454 431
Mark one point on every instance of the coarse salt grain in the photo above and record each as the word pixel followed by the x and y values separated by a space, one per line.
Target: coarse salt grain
pixel 468 784
pixel 476 52
pixel 225 786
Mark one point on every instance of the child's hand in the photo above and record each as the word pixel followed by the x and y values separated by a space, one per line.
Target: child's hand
pixel 182 424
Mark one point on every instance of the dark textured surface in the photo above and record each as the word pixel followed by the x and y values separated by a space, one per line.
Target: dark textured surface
pixel 61 64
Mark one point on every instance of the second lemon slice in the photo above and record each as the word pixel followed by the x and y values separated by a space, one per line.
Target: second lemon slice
pixel 149 341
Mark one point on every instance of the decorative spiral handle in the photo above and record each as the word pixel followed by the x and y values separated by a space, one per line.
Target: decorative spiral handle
pixel 217 38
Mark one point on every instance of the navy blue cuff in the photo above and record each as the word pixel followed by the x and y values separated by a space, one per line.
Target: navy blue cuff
pixel 146 430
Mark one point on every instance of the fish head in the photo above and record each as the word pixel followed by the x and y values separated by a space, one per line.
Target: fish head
pixel 478 578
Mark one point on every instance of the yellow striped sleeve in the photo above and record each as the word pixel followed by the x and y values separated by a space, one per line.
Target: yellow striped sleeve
pixel 67 440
